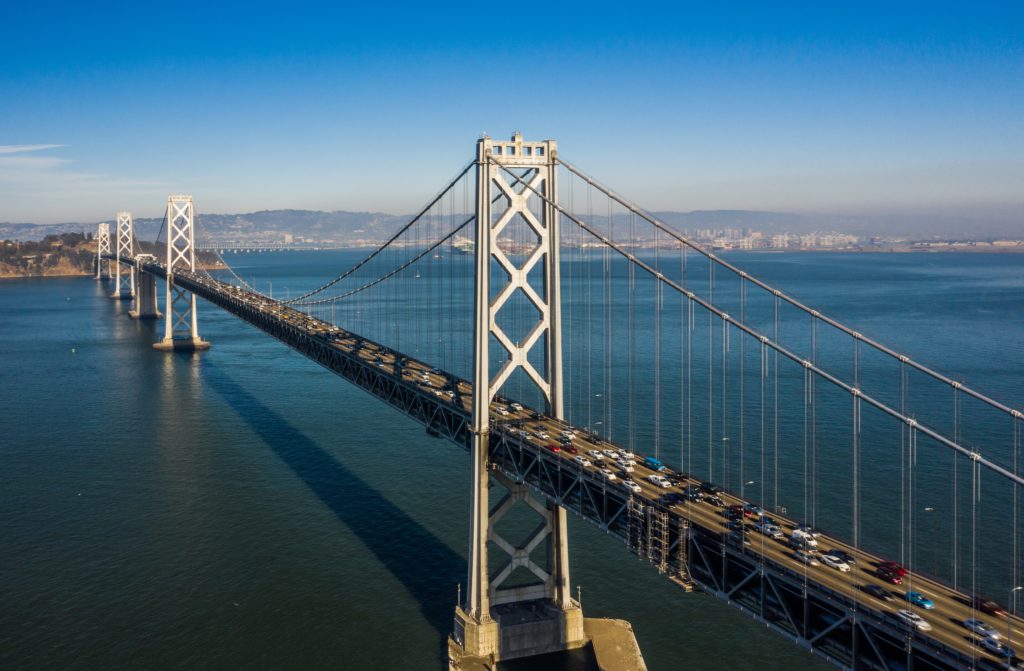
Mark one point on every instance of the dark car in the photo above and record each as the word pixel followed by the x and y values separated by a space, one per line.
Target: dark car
pixel 535 415
pixel 714 500
pixel 674 498
pixel 570 448
pixel 735 512
pixel 879 592
pixel 710 488
pixel 736 525
pixel 888 576
pixel 986 605
pixel 694 494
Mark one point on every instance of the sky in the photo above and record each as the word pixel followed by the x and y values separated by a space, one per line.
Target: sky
pixel 896 108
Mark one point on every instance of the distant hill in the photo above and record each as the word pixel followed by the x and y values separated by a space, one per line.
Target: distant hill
pixel 344 227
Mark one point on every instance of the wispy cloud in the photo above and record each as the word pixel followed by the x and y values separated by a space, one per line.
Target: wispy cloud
pixel 21 148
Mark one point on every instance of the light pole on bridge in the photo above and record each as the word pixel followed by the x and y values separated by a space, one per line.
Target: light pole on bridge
pixel 1009 623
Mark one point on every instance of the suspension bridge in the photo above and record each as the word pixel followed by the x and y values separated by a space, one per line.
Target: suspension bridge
pixel 593 360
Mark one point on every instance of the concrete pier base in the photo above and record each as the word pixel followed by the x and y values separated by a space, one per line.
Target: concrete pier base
pixel 118 296
pixel 181 345
pixel 611 642
pixel 135 314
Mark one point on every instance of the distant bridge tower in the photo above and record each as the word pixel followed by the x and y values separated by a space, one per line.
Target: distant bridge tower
pixel 124 287
pixel 487 622
pixel 102 247
pixel 181 330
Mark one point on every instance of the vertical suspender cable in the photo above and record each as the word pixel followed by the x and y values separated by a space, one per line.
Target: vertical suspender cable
pixel 775 411
pixel 711 372
pixel 956 523
pixel 632 330
pixel 725 403
pixel 743 319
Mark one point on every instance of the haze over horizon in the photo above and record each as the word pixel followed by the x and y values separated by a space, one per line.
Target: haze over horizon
pixel 873 110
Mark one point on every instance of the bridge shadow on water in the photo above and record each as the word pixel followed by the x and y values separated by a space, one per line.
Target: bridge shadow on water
pixel 384 528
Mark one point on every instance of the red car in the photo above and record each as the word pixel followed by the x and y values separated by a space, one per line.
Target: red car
pixel 554 448
pixel 893 567
pixel 888 576
pixel 989 606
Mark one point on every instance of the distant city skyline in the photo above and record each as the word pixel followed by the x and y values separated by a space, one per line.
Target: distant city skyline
pixel 906 110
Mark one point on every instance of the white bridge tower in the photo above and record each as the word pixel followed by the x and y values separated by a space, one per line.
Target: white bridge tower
pixel 181 324
pixel 486 621
pixel 124 286
pixel 102 247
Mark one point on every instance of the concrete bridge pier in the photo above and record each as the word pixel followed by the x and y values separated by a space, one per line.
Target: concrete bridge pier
pixel 145 304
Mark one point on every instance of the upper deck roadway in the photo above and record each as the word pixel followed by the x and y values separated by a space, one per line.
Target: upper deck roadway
pixel 818 607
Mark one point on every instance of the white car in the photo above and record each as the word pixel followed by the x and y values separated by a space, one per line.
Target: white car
pixel 568 434
pixel 501 411
pixel 626 466
pixel 631 486
pixel 515 407
pixel 611 454
pixel 659 481
pixel 803 537
pixel 626 455
pixel 596 454
pixel 608 475
pixel 979 627
pixel 836 563
pixel 543 435
pixel 770 530
pixel 582 461
pixel 996 647
pixel 805 557
pixel 914 620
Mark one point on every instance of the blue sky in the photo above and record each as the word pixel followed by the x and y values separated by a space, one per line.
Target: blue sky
pixel 806 107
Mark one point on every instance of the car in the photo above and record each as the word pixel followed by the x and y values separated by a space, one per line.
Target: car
pixel 979 627
pixel 714 500
pixel 570 448
pixel 914 620
pixel 736 525
pixel 631 486
pixel 920 600
pixel 893 567
pixel 738 538
pixel 566 433
pixel 879 592
pixel 805 557
pixel 808 529
pixel 624 466
pixel 750 510
pixel 844 555
pixel 735 512
pixel 582 461
pixel 997 648
pixel 770 530
pixel 694 494
pixel 889 577
pixel 554 447
pixel 436 371
pixel 500 410
pixel 515 407
pixel 608 474
pixel 535 415
pixel 710 488
pixel 543 435
pixel 655 464
pixel 658 481
pixel 611 454
pixel 596 455
pixel 986 605
pixel 674 499
pixel 804 539
pixel 627 455
pixel 836 563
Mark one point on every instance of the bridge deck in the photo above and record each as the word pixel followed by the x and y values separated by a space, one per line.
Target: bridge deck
pixel 818 607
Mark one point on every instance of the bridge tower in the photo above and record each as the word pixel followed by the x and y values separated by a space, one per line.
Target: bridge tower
pixel 181 330
pixel 489 622
pixel 124 286
pixel 102 247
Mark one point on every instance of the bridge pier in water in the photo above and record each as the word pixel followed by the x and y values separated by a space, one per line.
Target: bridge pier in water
pixel 144 305
pixel 181 325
